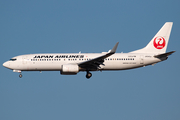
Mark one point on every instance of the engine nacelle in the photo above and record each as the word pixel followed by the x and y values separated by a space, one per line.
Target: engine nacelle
pixel 69 69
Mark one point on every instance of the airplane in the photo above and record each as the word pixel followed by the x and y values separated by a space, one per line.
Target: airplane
pixel 72 63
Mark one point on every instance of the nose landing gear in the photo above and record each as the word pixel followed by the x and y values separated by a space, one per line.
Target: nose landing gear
pixel 88 75
pixel 19 71
pixel 20 75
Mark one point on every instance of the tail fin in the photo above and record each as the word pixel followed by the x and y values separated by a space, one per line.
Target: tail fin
pixel 159 42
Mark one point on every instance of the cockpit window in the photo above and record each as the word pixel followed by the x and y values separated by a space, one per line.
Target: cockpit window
pixel 13 59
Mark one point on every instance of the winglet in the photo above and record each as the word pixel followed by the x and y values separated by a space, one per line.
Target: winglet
pixel 114 48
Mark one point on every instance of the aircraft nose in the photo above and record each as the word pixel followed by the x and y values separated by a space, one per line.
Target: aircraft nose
pixel 6 64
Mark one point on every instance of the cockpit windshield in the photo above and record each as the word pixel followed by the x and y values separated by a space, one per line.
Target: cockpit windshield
pixel 13 59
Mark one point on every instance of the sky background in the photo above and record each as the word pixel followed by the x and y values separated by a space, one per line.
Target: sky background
pixel 70 26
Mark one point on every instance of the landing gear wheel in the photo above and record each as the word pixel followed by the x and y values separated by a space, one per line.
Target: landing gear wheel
pixel 88 75
pixel 20 75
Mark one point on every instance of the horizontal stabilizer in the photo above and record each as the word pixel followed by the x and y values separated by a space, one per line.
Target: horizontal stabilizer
pixel 164 55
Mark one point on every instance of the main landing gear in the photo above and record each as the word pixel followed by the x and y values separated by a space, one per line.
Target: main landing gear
pixel 88 75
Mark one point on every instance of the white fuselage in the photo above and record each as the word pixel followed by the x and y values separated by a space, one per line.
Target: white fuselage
pixel 54 62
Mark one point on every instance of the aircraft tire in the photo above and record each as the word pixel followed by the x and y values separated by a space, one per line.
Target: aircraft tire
pixel 20 75
pixel 88 75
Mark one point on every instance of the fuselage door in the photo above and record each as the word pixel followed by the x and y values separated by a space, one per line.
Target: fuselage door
pixel 141 59
pixel 24 59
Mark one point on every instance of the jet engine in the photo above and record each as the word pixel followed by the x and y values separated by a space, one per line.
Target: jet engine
pixel 69 69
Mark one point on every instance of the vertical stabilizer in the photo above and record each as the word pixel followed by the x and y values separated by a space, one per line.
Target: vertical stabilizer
pixel 159 42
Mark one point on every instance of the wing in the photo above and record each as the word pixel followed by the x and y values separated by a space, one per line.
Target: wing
pixel 93 64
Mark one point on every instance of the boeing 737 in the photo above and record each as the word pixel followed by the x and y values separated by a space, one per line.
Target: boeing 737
pixel 72 63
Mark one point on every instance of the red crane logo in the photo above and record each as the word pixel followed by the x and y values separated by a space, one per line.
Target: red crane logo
pixel 159 42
